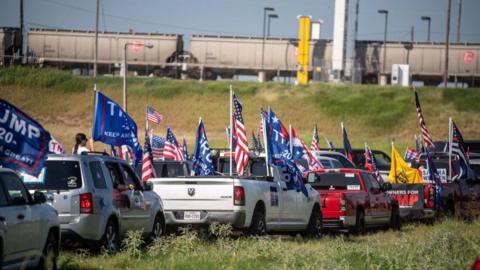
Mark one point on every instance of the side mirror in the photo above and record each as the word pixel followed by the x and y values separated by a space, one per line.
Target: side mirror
pixel 148 186
pixel 39 197
pixel 375 190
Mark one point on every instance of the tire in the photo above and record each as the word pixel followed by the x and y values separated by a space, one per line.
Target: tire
pixel 159 228
pixel 48 261
pixel 315 224
pixel 258 226
pixel 110 239
pixel 450 210
pixel 395 220
pixel 359 228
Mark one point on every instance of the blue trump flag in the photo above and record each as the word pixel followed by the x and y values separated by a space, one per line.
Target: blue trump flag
pixel 24 143
pixel 202 161
pixel 279 154
pixel 113 126
pixel 435 178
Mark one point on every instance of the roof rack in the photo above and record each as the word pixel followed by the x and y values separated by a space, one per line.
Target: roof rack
pixel 93 153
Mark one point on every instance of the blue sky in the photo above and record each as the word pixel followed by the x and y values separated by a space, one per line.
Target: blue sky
pixel 243 17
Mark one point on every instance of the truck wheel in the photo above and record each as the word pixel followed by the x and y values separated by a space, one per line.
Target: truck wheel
pixel 158 229
pixel 258 226
pixel 315 224
pixel 359 228
pixel 450 210
pixel 395 220
pixel 48 261
pixel 110 238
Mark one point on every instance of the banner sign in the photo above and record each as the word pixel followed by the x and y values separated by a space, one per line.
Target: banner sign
pixel 408 196
pixel 24 143
pixel 113 126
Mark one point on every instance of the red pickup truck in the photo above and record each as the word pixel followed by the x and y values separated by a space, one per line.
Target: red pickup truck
pixel 352 199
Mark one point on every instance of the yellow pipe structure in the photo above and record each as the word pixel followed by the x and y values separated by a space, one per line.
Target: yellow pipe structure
pixel 303 49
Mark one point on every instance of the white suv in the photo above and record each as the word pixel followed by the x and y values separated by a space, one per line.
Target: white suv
pixel 29 228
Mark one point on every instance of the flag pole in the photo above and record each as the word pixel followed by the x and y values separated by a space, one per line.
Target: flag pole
pixel 290 139
pixel 231 129
pixel 450 139
pixel 264 123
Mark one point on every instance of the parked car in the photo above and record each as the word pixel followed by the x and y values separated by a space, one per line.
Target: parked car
pixel 354 200
pixel 29 228
pixel 336 155
pixel 99 198
pixel 254 203
pixel 167 168
pixel 460 198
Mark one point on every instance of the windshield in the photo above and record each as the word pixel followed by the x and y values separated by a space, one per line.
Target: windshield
pixel 57 175
pixel 335 181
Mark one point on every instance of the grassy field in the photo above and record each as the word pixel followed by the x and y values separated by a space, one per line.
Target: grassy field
pixel 64 105
pixel 448 245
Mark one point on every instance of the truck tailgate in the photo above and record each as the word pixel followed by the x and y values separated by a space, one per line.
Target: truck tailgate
pixel 330 204
pixel 195 194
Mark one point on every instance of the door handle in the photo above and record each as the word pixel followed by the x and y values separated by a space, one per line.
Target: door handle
pixel 20 216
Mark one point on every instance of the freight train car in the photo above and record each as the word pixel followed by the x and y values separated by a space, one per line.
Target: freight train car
pixel 426 60
pixel 9 45
pixel 233 55
pixel 75 49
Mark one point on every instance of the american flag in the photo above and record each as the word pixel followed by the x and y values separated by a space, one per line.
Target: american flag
pixel 425 134
pixel 313 163
pixel 411 154
pixel 257 145
pixel 154 116
pixel 241 149
pixel 371 165
pixel 263 115
pixel 147 161
pixel 172 150
pixel 458 148
pixel 158 143
pixel 184 148
pixel 314 146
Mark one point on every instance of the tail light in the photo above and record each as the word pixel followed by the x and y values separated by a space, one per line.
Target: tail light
pixel 342 204
pixel 238 196
pixel 86 203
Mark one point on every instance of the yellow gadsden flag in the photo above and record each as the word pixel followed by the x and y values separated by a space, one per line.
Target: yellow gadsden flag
pixel 400 172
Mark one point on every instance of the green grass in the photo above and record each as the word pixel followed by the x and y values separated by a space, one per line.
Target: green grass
pixel 448 245
pixel 373 114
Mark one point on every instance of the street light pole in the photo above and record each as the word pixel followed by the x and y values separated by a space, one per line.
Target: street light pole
pixel 270 16
pixel 125 69
pixel 429 21
pixel 384 11
pixel 459 19
pixel 265 10
pixel 95 48
pixel 447 44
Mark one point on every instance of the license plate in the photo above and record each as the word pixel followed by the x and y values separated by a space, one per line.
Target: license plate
pixel 191 215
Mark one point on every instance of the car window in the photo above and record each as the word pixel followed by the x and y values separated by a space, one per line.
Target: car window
pixel 257 168
pixel 335 181
pixel 370 181
pixel 326 164
pixel 58 175
pixel 345 162
pixel 336 164
pixel 97 175
pixel 174 169
pixel 3 197
pixel 14 189
pixel 130 177
pixel 115 173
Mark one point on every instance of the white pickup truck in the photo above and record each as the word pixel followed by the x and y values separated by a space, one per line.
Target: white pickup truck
pixel 255 204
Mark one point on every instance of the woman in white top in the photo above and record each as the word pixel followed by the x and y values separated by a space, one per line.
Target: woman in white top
pixel 80 144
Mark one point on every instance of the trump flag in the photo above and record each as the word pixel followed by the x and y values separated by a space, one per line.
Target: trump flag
pixel 113 126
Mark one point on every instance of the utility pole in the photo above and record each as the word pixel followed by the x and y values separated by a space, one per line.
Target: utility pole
pixel 459 19
pixel 21 30
pixel 447 44
pixel 355 36
pixel 95 48
pixel 412 34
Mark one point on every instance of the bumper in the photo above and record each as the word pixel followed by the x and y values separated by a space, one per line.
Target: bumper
pixel 86 227
pixel 416 214
pixel 235 218
pixel 342 222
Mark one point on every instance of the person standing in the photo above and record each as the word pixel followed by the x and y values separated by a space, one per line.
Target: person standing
pixel 80 144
